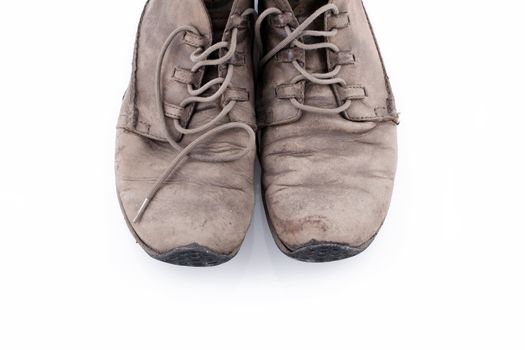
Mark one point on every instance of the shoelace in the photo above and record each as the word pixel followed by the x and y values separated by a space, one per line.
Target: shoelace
pixel 200 58
pixel 329 78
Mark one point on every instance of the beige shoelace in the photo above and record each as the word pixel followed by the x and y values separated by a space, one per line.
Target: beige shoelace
pixel 292 39
pixel 200 58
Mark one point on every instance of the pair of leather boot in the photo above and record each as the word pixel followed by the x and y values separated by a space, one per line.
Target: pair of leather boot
pixel 210 78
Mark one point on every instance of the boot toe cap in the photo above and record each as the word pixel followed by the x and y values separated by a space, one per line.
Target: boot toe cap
pixel 201 214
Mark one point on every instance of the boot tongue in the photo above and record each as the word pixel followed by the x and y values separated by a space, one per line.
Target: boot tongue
pixel 315 94
pixel 219 12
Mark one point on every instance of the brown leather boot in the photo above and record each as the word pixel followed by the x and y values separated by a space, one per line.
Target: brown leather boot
pixel 185 139
pixel 328 146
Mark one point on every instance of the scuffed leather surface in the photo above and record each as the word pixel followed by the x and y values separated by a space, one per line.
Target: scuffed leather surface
pixel 329 178
pixel 358 39
pixel 159 19
pixel 205 203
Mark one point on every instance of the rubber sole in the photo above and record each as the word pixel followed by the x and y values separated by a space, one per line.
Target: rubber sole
pixel 193 255
pixel 324 252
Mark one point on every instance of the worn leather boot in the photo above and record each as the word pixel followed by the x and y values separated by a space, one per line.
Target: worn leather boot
pixel 328 145
pixel 185 139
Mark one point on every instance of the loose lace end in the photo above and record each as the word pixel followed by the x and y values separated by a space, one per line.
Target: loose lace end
pixel 142 209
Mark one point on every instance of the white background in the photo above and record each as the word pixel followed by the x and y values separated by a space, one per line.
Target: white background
pixel 446 272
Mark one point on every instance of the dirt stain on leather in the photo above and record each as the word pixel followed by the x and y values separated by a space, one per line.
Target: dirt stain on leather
pixel 314 222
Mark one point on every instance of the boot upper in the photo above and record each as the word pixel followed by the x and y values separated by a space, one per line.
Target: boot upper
pixel 202 81
pixel 329 151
